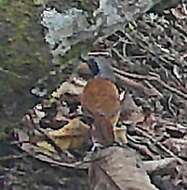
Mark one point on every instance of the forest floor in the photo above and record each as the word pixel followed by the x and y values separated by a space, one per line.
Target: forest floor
pixel 149 62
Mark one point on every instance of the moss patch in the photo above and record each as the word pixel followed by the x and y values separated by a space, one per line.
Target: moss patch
pixel 24 56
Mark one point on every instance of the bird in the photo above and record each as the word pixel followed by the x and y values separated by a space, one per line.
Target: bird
pixel 100 99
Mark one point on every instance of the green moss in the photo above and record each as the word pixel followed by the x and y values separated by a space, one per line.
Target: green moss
pixel 24 56
pixel 3 2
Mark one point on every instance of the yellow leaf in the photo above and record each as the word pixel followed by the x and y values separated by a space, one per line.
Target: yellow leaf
pixel 70 136
pixel 45 147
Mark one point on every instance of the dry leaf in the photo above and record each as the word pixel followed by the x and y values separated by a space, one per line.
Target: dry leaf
pixel 69 88
pixel 162 164
pixel 45 152
pixel 116 168
pixel 70 136
pixel 130 112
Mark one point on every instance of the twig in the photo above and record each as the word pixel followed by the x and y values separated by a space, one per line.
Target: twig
pixel 150 78
pixel 138 86
pixel 12 157
pixel 162 147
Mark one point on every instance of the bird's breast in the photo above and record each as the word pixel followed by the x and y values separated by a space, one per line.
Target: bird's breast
pixel 101 96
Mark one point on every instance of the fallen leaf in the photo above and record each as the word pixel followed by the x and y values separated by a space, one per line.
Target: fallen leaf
pixel 68 88
pixel 71 136
pixel 162 164
pixel 117 168
pixel 45 152
pixel 130 112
